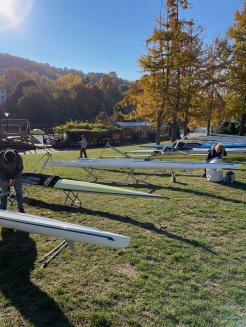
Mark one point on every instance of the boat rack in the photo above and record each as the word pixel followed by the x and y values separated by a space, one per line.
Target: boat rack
pixel 109 146
pixel 51 255
pixel 73 197
pixel 129 172
pixel 90 174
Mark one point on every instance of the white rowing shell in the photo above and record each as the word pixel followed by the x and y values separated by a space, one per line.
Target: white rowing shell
pixel 140 164
pixel 67 184
pixel 66 231
pixel 80 186
pixel 144 151
pixel 186 151
pixel 201 150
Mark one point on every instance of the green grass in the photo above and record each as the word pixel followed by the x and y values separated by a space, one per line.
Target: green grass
pixel 189 273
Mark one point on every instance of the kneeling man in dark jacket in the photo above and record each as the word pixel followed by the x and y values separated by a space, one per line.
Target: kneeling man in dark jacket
pixel 216 151
pixel 11 167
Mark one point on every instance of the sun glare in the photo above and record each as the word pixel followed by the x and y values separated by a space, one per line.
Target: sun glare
pixel 13 12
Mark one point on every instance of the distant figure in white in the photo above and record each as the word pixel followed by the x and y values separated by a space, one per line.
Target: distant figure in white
pixel 83 145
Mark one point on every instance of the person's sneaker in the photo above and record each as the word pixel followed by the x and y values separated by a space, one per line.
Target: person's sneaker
pixel 21 210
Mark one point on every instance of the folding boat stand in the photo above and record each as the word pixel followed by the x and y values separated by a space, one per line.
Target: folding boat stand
pixel 113 148
pixel 128 172
pixel 73 197
pixel 90 170
pixel 90 174
pixel 48 156
pixel 47 258
pixel 173 177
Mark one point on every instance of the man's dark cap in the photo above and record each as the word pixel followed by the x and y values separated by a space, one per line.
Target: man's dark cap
pixel 9 155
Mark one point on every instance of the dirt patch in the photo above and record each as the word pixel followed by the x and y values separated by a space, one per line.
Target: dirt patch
pixel 128 270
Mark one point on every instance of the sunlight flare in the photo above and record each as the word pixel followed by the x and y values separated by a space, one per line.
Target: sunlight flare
pixel 13 12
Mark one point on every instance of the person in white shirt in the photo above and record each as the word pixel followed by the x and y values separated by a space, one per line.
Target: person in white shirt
pixel 83 145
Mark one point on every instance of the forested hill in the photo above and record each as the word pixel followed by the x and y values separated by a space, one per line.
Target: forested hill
pixel 39 69
pixel 32 67
pixel 48 96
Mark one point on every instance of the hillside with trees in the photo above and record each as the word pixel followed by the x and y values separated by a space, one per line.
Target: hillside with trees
pixel 32 67
pixel 184 83
pixel 50 96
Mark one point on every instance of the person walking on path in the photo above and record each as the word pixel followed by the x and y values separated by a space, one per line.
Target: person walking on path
pixel 83 145
pixel 11 167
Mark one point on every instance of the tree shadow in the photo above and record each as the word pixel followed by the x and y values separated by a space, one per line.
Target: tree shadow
pixel 237 185
pixel 124 219
pixel 17 256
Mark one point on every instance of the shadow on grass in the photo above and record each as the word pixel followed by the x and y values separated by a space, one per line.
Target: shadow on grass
pixel 236 185
pixel 17 256
pixel 139 173
pixel 153 188
pixel 236 159
pixel 141 184
pixel 124 219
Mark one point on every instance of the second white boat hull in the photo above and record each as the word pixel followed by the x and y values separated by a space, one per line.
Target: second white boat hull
pixel 60 229
pixel 132 164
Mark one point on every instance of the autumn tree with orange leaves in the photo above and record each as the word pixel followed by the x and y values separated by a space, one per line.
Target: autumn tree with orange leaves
pixel 236 77
pixel 171 71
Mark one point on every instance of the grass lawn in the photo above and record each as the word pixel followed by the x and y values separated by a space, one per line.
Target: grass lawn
pixel 189 272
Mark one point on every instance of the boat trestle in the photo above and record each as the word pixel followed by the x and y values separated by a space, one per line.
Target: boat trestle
pixel 51 255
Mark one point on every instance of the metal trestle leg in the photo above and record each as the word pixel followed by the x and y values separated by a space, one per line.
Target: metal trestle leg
pixel 54 253
pixel 73 197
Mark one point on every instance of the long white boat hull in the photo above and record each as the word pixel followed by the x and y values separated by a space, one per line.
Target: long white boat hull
pixel 60 229
pixel 185 151
pixel 229 150
pixel 79 186
pixel 132 164
pixel 221 138
pixel 145 151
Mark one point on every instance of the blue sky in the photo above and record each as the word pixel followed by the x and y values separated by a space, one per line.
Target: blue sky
pixel 97 35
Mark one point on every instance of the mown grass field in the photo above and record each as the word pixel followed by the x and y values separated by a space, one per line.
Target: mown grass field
pixel 189 272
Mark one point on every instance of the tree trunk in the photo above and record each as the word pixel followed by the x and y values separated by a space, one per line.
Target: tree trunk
pixel 158 133
pixel 186 120
pixel 174 128
pixel 208 127
pixel 177 107
pixel 242 124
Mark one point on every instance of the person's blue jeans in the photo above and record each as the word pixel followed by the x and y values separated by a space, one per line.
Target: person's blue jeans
pixel 4 185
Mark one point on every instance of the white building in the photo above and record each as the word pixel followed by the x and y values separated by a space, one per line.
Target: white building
pixel 3 97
